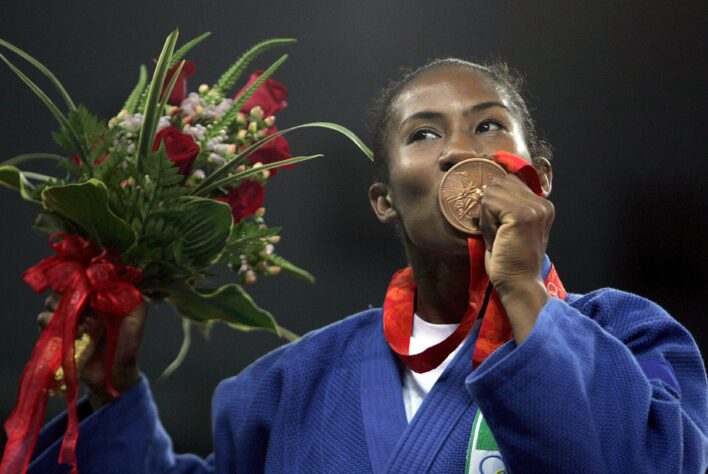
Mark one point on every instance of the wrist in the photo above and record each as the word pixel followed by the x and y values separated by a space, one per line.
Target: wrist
pixel 520 288
pixel 99 396
pixel 522 301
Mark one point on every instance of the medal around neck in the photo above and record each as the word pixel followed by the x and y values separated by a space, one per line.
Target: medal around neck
pixel 462 188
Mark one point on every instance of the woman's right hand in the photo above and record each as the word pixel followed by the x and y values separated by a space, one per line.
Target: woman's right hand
pixel 91 364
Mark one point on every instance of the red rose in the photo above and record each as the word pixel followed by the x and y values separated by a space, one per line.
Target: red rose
pixel 244 200
pixel 271 95
pixel 275 150
pixel 179 91
pixel 180 148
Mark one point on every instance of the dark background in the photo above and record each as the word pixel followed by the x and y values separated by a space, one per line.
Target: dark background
pixel 617 87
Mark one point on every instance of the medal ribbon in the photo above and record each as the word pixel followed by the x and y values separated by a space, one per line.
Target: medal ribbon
pixel 83 276
pixel 495 330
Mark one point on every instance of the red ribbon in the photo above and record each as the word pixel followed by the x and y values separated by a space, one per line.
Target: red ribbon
pixel 495 329
pixel 82 275
pixel 398 315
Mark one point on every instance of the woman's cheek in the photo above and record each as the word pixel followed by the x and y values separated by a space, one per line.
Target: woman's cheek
pixel 413 179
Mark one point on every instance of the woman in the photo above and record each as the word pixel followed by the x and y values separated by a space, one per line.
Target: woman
pixel 601 382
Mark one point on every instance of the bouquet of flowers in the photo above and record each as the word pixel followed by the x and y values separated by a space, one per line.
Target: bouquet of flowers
pixel 147 204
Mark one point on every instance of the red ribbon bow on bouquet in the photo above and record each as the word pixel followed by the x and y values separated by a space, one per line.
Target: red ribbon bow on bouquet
pixel 83 275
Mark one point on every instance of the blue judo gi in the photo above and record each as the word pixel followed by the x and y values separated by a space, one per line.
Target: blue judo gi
pixel 606 382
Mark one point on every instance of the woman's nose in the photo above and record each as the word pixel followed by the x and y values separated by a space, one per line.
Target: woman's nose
pixel 460 148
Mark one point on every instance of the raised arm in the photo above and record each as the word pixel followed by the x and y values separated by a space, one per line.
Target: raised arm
pixel 607 383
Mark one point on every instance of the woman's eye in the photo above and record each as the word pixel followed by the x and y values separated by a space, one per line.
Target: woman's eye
pixel 489 126
pixel 423 135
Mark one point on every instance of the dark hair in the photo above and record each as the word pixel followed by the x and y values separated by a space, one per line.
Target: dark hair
pixel 511 82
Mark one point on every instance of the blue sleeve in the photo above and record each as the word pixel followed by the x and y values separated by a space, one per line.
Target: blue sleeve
pixel 610 383
pixel 124 436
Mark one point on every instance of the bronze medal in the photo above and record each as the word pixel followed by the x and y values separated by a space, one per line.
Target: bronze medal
pixel 461 189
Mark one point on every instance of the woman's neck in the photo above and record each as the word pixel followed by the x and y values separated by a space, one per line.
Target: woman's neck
pixel 442 285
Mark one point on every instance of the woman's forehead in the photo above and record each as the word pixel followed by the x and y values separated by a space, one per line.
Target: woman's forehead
pixel 446 88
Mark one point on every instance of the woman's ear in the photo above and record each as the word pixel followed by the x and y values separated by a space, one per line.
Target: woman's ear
pixel 382 204
pixel 545 173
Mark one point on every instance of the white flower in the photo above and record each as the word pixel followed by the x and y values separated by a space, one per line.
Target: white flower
pixel 224 106
pixel 164 122
pixel 217 110
pixel 221 148
pixel 196 131
pixel 215 142
pixel 268 250
pixel 131 123
pixel 198 174
pixel 218 160
pixel 190 103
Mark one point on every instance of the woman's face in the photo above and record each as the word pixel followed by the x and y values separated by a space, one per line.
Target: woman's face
pixel 442 117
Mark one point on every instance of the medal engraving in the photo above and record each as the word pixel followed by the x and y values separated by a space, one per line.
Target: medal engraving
pixel 461 189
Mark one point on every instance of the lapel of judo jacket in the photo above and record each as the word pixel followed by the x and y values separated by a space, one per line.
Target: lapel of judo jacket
pixel 394 445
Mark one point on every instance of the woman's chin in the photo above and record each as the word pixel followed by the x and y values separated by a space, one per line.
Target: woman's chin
pixel 451 244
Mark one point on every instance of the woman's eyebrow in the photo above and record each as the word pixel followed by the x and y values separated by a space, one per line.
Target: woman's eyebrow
pixel 423 115
pixel 430 115
pixel 484 106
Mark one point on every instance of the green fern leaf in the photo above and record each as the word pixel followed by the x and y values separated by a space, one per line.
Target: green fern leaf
pixel 134 98
pixel 228 79
pixel 291 268
pixel 181 52
pixel 229 117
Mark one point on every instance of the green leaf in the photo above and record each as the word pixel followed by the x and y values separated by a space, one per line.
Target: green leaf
pixel 134 98
pixel 63 121
pixel 203 227
pixel 230 116
pixel 91 132
pixel 261 79
pixel 246 239
pixel 183 350
pixel 152 114
pixel 289 267
pixel 229 303
pixel 223 170
pixel 44 70
pixel 13 178
pixel 287 334
pixel 106 170
pixel 180 53
pixel 37 176
pixel 246 231
pixel 168 91
pixel 228 79
pixel 159 184
pixel 251 171
pixel 16 160
pixel 86 205
pixel 49 222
